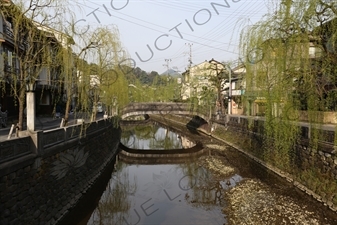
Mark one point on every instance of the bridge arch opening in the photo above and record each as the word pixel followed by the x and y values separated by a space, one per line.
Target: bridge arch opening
pixel 197 122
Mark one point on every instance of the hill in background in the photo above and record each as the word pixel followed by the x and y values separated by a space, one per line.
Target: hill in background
pixel 172 73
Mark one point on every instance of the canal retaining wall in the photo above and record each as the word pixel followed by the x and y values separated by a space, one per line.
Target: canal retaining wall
pixel 44 175
pixel 312 159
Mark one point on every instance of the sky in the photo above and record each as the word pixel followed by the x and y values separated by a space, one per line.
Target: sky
pixel 159 34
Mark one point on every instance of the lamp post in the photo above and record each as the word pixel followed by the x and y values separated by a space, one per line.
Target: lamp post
pixel 114 106
pixel 94 100
pixel 30 101
pixel 229 91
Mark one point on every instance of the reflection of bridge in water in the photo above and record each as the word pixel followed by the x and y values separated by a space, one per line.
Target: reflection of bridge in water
pixel 191 148
pixel 130 155
pixel 163 108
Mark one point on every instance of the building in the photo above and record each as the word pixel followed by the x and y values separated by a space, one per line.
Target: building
pixel 9 63
pixel 56 81
pixel 31 51
pixel 273 82
pixel 233 94
pixel 204 81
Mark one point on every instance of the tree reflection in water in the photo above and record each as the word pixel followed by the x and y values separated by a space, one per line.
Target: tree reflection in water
pixel 155 194
pixel 163 191
pixel 165 139
pixel 115 204
pixel 205 192
pixel 150 136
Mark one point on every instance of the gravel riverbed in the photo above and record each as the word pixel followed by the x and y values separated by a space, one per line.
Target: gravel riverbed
pixel 252 202
pixel 255 201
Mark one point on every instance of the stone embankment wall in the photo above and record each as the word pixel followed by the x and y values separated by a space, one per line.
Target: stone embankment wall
pixel 313 167
pixel 44 175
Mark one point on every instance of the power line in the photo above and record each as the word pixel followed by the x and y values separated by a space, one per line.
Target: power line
pixel 138 19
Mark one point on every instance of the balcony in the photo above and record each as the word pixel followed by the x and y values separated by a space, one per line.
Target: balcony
pixel 23 45
pixel 11 70
pixel 8 32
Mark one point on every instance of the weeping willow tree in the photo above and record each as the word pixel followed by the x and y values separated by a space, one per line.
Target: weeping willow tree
pixel 100 74
pixel 68 76
pixel 291 69
pixel 31 50
pixel 163 89
pixel 137 92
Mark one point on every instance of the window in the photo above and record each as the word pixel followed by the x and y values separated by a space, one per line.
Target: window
pixel 315 52
pixel 311 50
pixel 10 60
pixel 45 99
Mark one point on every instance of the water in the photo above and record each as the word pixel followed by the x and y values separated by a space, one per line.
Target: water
pixel 198 191
pixel 161 194
pixel 154 136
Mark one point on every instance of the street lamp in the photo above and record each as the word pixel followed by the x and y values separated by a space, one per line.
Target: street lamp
pixel 30 101
pixel 229 90
pixel 94 97
pixel 114 106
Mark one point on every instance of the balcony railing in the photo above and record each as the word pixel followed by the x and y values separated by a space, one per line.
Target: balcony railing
pixel 8 32
pixel 23 45
pixel 12 70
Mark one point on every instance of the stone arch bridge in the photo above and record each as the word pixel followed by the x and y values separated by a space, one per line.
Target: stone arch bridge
pixel 162 108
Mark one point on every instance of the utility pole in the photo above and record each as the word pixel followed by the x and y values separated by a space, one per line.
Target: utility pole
pixel 187 78
pixel 188 74
pixel 167 65
pixel 190 55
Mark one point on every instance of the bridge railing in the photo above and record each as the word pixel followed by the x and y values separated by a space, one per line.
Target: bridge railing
pixel 204 111
pixel 154 106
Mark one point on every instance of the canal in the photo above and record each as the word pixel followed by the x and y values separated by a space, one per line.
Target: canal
pixel 221 186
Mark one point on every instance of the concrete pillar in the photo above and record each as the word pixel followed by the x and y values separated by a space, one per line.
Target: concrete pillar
pixel 30 111
pixel 37 142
